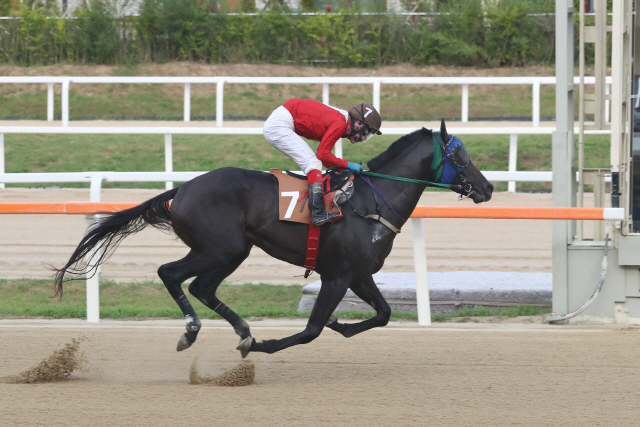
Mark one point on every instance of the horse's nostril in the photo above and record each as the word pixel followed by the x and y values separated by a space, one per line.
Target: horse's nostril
pixel 490 188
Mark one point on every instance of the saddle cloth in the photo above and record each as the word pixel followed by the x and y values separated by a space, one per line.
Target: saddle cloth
pixel 294 206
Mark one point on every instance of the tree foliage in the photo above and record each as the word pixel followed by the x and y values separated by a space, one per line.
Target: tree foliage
pixel 463 32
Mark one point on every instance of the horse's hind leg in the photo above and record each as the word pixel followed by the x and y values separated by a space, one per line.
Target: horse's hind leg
pixel 173 275
pixel 204 288
pixel 369 293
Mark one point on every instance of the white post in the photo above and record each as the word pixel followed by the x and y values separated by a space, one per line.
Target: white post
pixel 49 102
pixel 65 103
pixel 607 91
pixel 465 102
pixel 187 102
pixel 420 262
pixel 93 283
pixel 168 158
pixel 325 93
pixel 376 95
pixel 219 102
pixel 536 104
pixel 513 160
pixel 1 157
pixel 338 147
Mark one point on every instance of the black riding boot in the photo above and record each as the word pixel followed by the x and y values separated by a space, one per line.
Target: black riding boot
pixel 316 203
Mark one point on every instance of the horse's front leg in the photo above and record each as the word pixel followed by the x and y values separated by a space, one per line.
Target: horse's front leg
pixel 330 295
pixel 369 293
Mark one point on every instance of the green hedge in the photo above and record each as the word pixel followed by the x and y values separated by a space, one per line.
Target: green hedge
pixel 465 33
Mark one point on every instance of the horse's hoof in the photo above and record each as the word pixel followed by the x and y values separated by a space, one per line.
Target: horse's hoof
pixel 244 346
pixel 332 319
pixel 184 343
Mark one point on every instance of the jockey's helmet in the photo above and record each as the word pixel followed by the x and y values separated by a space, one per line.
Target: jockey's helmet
pixel 365 122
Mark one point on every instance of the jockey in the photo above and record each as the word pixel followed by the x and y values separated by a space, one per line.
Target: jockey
pixel 319 122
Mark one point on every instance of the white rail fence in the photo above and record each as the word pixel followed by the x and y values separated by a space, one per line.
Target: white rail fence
pixel 220 82
pixel 512 176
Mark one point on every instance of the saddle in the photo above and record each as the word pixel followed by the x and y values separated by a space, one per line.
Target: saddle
pixel 293 193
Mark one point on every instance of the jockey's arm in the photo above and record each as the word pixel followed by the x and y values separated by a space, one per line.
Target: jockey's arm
pixel 333 134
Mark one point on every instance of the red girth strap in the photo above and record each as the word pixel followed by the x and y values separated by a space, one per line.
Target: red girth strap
pixel 313 238
pixel 311 256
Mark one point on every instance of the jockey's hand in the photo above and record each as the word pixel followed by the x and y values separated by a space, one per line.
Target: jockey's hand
pixel 356 167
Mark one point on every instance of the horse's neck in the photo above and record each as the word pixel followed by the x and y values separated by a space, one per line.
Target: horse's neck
pixel 403 196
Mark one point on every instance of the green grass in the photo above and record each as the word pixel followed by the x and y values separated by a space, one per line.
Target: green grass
pixel 32 298
pixel 79 153
pixel 399 102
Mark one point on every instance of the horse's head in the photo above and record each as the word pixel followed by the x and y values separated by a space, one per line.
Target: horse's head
pixel 458 170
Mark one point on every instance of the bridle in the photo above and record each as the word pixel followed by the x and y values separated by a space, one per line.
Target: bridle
pixel 439 145
pixel 435 178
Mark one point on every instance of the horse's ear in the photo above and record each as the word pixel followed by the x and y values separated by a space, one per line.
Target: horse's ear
pixel 443 132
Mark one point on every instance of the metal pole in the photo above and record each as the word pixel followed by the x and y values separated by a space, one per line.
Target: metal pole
pixel 219 102
pixel 168 158
pixel 49 102
pixel 564 176
pixel 187 102
pixel 420 262
pixel 581 113
pixel 465 103
pixel 513 160
pixel 65 103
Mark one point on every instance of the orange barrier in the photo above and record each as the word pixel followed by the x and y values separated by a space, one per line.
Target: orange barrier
pixel 507 212
pixel 68 208
pixel 496 212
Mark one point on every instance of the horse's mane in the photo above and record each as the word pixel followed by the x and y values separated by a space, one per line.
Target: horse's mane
pixel 398 147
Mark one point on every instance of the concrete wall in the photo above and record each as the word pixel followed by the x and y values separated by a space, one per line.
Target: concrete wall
pixel 619 300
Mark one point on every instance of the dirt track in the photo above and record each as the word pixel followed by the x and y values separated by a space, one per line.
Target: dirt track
pixel 29 241
pixel 403 375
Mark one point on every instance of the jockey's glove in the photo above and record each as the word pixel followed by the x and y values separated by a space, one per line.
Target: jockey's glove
pixel 356 167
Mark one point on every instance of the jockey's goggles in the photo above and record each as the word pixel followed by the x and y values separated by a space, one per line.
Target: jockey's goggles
pixel 367 133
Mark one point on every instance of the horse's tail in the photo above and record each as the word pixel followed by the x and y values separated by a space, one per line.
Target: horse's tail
pixel 103 237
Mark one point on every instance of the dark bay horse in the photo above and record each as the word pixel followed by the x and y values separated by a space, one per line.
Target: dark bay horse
pixel 221 215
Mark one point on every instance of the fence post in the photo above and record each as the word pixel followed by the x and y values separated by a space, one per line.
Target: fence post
pixel 187 102
pixel 376 95
pixel 465 102
pixel 338 147
pixel 420 263
pixel 219 102
pixel 1 157
pixel 513 160
pixel 49 102
pixel 607 103
pixel 168 158
pixel 536 104
pixel 93 282
pixel 65 103
pixel 325 93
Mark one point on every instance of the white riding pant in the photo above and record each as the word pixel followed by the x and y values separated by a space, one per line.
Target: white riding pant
pixel 279 131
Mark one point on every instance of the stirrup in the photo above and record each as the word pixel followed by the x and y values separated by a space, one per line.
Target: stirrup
pixel 327 217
